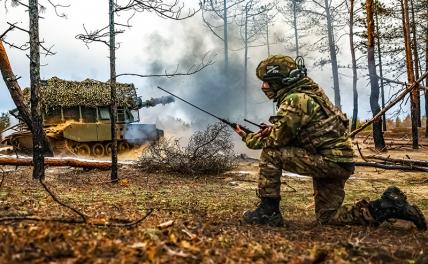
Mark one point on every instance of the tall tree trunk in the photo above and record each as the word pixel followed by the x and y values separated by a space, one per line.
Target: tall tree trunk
pixel 379 55
pixel 333 57
pixel 114 176
pixel 17 97
pixel 14 88
pixel 296 37
pixel 36 109
pixel 410 72
pixel 374 95
pixel 267 39
pixel 246 62
pixel 426 80
pixel 225 39
pixel 354 67
pixel 416 60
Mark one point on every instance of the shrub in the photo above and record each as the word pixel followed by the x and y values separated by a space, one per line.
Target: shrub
pixel 208 152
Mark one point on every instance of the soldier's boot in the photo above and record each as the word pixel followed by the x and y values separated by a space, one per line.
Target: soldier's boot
pixel 393 204
pixel 266 213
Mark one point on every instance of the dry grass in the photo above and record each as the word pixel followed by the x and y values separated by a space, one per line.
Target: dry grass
pixel 206 213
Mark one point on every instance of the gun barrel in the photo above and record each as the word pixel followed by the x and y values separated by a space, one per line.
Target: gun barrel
pixel 156 101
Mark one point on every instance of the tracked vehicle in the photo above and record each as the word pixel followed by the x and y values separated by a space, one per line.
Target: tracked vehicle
pixel 77 119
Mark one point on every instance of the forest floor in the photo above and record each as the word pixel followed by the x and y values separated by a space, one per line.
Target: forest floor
pixel 197 220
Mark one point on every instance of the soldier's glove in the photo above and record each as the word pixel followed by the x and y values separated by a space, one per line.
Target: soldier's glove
pixel 239 131
pixel 264 130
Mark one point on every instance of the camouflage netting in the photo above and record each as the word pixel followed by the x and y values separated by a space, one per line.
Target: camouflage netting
pixel 56 92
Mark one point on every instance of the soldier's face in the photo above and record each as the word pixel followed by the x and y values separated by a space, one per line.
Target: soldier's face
pixel 266 89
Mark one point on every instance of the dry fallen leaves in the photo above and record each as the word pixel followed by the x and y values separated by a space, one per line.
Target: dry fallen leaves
pixel 166 224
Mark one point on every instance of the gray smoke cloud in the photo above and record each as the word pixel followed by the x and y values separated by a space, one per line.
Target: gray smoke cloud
pixel 214 89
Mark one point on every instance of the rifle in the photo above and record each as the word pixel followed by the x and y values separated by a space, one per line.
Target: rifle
pixel 233 125
pixel 254 124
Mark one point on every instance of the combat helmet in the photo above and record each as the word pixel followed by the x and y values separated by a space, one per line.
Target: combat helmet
pixel 281 70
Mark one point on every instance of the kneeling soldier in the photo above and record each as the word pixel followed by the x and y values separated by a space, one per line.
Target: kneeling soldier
pixel 309 136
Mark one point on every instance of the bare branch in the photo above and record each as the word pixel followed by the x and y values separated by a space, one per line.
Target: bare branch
pixel 47 51
pixel 210 27
pixel 39 219
pixel 318 4
pixel 391 81
pixel 403 93
pixel 192 70
pixel 23 47
pixel 217 11
pixel 256 46
pixel 119 223
pixel 61 203
pixel 209 151
pixel 361 153
pixel 11 27
pixel 17 2
pixel 130 17
pixel 20 28
pixel 132 224
pixel 94 36
pixel 123 25
pixel 164 10
pixel 56 7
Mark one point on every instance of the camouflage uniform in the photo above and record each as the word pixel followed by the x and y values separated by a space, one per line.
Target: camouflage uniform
pixel 309 137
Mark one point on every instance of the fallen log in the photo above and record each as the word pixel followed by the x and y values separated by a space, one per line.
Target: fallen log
pixel 390 166
pixel 408 162
pixel 395 143
pixel 58 162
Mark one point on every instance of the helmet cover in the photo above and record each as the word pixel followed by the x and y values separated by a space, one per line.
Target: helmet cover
pixel 275 66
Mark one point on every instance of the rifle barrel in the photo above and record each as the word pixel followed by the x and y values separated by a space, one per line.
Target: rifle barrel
pixel 233 125
pixel 251 122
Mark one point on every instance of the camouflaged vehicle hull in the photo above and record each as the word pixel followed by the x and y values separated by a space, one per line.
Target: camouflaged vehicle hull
pixel 77 118
pixel 87 139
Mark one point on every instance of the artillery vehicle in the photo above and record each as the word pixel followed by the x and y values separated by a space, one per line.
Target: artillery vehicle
pixel 77 118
